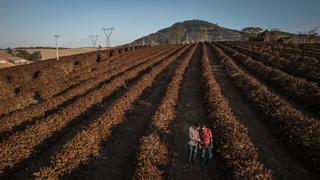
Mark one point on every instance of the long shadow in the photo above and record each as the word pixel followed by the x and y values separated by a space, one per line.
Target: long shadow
pixel 43 152
pixel 119 151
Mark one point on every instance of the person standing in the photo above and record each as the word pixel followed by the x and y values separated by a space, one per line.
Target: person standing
pixel 206 144
pixel 194 140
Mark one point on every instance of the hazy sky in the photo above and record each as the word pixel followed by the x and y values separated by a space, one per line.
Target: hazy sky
pixel 33 22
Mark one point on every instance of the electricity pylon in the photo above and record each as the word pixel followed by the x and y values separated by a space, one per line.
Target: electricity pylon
pixel 107 33
pixel 94 39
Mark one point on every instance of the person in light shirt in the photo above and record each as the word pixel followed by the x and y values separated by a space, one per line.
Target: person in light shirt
pixel 193 143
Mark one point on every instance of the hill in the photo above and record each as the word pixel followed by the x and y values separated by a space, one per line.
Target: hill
pixel 190 31
pixel 198 31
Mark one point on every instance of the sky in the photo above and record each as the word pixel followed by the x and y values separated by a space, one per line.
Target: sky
pixel 34 22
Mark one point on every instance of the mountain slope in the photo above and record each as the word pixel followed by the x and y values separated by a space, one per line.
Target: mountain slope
pixel 191 31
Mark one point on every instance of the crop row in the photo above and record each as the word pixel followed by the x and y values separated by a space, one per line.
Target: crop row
pixel 303 49
pixel 86 145
pixel 294 58
pixel 299 89
pixel 297 56
pixel 301 134
pixel 21 145
pixel 306 45
pixel 27 114
pixel 298 49
pixel 33 73
pixel 125 58
pixel 232 141
pixel 107 66
pixel 88 81
pixel 45 91
pixel 298 69
pixel 97 70
pixel 153 147
pixel 23 91
pixel 17 80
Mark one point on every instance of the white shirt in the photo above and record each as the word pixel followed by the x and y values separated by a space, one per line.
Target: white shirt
pixel 194 137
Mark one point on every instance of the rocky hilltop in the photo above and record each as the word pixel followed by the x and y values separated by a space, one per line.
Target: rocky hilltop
pixel 190 31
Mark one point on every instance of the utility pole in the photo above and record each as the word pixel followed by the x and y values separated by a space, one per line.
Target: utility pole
pixel 143 41
pixel 56 36
pixel 187 38
pixel 207 36
pixel 94 39
pixel 107 33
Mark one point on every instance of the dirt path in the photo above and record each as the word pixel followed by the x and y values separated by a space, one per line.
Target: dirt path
pixel 190 109
pixel 272 152
pixel 120 149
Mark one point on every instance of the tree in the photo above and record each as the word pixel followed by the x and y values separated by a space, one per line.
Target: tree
pixel 275 29
pixel 9 50
pixel 29 56
pixel 35 56
pixel 312 34
pixel 252 30
pixel 313 31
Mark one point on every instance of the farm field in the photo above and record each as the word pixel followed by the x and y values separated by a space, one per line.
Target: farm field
pixel 4 57
pixel 4 64
pixel 51 53
pixel 125 113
